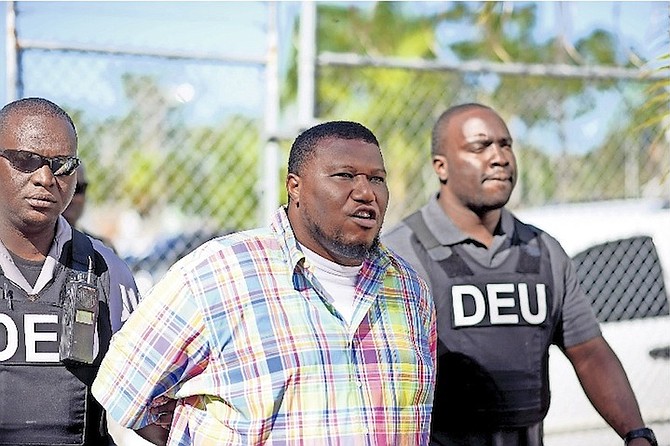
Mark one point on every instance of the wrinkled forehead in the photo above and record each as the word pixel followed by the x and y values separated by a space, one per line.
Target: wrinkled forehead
pixel 36 131
pixel 343 151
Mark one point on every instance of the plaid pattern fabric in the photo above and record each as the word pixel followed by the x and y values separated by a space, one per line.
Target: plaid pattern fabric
pixel 240 333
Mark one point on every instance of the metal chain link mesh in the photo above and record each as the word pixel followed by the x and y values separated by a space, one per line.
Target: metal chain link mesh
pixel 156 150
pixel 559 161
pixel 623 279
pixel 174 146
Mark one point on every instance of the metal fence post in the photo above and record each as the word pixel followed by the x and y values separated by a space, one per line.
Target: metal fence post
pixel 11 54
pixel 307 65
pixel 270 173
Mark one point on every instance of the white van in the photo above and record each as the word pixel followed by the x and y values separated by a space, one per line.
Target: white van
pixel 635 323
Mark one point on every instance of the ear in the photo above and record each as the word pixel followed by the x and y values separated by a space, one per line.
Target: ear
pixel 440 167
pixel 293 182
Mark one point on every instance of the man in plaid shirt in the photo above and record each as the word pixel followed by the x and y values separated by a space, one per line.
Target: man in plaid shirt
pixel 307 332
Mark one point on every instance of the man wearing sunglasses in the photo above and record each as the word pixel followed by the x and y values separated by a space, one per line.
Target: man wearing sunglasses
pixel 62 294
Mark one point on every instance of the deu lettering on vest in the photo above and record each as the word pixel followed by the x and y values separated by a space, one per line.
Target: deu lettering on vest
pixel 33 338
pixel 498 304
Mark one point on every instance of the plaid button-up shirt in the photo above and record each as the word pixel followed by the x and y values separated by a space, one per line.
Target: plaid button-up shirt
pixel 240 332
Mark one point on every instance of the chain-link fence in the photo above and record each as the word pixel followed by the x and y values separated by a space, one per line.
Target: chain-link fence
pixel 180 146
pixel 577 138
pixel 173 141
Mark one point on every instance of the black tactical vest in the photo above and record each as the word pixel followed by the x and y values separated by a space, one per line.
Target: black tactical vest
pixel 46 401
pixel 494 329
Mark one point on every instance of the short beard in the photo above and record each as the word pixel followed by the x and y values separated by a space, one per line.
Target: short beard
pixel 482 210
pixel 355 252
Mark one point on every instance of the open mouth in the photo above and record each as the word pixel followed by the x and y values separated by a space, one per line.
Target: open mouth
pixel 365 217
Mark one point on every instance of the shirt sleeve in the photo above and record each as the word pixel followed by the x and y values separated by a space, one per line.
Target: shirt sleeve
pixel 578 321
pixel 123 293
pixel 160 347
pixel 432 336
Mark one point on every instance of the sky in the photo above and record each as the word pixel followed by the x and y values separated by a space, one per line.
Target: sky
pixel 233 29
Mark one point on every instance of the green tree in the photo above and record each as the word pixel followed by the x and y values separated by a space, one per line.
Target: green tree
pixel 398 105
pixel 401 105
pixel 151 160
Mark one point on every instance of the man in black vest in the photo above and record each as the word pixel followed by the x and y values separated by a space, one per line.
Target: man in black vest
pixel 62 294
pixel 504 292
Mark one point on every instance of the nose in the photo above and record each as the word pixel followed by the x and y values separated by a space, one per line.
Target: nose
pixel 362 189
pixel 44 176
pixel 499 156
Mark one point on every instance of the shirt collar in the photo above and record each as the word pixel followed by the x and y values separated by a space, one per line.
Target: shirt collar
pixel 63 235
pixel 282 227
pixel 445 230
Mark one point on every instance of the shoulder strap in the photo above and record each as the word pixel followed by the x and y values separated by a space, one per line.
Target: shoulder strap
pixel 454 265
pixel 83 253
pixel 418 226
pixel 529 260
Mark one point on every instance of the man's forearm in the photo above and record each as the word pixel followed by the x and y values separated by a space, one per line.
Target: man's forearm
pixel 606 384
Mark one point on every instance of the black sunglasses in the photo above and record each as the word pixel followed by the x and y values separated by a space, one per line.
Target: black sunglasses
pixel 29 162
pixel 80 188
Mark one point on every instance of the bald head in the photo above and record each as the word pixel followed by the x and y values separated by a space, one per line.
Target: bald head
pixel 438 138
pixel 33 107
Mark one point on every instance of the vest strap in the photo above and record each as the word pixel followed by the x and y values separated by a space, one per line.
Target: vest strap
pixel 454 264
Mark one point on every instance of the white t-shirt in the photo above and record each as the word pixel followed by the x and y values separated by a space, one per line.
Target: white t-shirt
pixel 338 280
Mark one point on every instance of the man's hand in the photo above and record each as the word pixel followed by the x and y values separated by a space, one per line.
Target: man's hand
pixel 157 433
pixel 163 408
